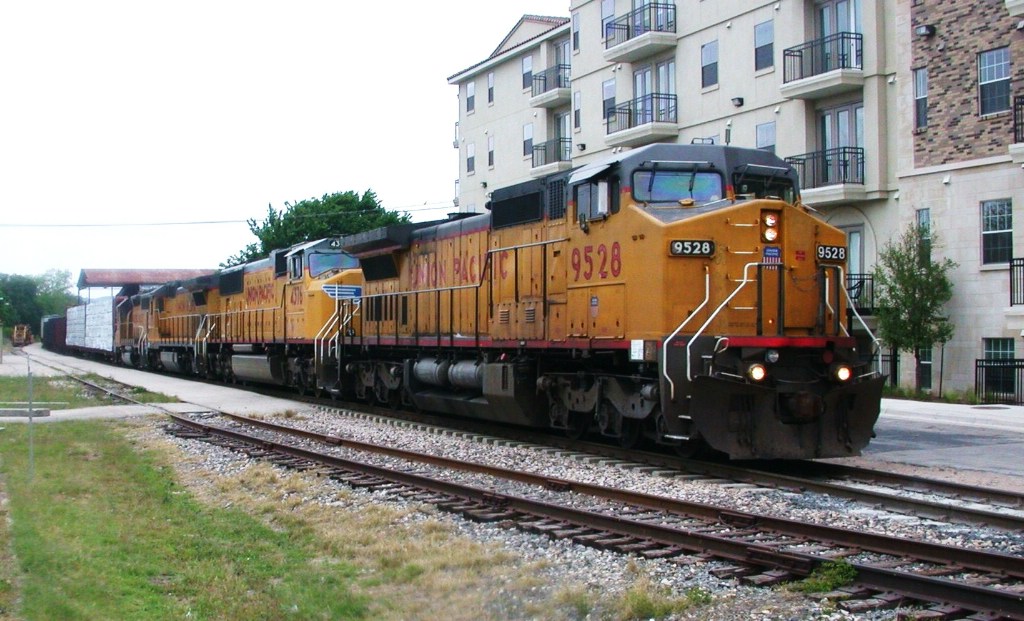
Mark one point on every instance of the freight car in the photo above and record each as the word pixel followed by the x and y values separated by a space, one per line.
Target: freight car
pixel 675 292
pixel 679 293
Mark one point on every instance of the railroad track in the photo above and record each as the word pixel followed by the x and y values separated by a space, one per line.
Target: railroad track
pixel 922 497
pixel 917 496
pixel 953 582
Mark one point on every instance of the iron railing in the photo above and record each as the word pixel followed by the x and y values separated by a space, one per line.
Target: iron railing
pixel 843 50
pixel 557 150
pixel 999 380
pixel 1018 119
pixel 1016 281
pixel 862 292
pixel 550 79
pixel 655 17
pixel 829 167
pixel 656 107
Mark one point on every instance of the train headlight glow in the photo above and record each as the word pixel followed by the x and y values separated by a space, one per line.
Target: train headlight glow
pixel 757 372
pixel 771 356
pixel 769 226
pixel 842 373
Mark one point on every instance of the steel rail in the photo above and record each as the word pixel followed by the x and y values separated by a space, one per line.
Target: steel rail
pixel 980 598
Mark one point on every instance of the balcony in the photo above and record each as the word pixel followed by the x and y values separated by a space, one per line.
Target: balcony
pixel 641 33
pixel 1016 281
pixel 551 157
pixel 1017 148
pixel 832 176
pixel 551 87
pixel 642 121
pixel 1015 7
pixel 862 292
pixel 824 67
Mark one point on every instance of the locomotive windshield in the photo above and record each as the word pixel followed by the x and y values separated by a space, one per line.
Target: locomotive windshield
pixel 669 186
pixel 321 262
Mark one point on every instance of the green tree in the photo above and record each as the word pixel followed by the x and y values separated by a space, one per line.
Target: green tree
pixel 912 290
pixel 26 299
pixel 341 213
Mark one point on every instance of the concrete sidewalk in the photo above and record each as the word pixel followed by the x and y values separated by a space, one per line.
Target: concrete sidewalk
pixel 195 396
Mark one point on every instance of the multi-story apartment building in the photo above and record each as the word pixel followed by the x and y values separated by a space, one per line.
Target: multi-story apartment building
pixel 837 87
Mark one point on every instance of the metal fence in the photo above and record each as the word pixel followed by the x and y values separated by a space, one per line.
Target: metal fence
pixel 656 17
pixel 999 380
pixel 1016 281
pixel 1018 118
pixel 829 167
pixel 551 78
pixel 557 150
pixel 843 50
pixel 658 107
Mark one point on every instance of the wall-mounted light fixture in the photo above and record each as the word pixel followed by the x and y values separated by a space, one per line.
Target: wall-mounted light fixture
pixel 582 146
pixel 925 30
pixel 737 101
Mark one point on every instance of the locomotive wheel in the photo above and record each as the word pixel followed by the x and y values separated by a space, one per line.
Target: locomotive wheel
pixel 692 449
pixel 632 432
pixel 578 424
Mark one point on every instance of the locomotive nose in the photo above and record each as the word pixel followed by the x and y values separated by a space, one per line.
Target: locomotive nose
pixel 803 407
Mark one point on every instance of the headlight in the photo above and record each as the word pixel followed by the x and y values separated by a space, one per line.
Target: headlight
pixel 757 372
pixel 842 373
pixel 769 226
pixel 771 356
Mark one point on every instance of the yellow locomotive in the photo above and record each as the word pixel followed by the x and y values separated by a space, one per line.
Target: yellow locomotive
pixel 678 292
pixel 274 320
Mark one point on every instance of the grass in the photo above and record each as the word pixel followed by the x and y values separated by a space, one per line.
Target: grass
pixel 101 531
pixel 60 392
pixel 112 527
pixel 828 576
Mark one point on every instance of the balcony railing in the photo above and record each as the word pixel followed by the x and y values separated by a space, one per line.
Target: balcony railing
pixel 862 292
pixel 656 107
pixel 999 380
pixel 1018 119
pixel 550 79
pixel 829 167
pixel 843 50
pixel 552 151
pixel 656 17
pixel 1016 281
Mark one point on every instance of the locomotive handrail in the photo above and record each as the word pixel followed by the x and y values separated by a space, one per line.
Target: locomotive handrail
pixel 828 305
pixel 664 347
pixel 853 307
pixel 743 283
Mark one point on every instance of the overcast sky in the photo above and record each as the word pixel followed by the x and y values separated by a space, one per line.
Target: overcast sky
pixel 144 112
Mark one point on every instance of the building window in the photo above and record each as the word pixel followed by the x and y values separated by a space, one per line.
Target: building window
pixel 528 139
pixel 607 15
pixel 470 158
pixel 766 136
pixel 924 368
pixel 764 45
pixel 490 87
pixel 998 379
pixel 709 64
pixel 920 98
pixel 994 80
pixel 528 72
pixel 575 32
pixel 577 109
pixel 924 225
pixel 996 231
pixel 607 98
pixel 490 151
pixel 470 96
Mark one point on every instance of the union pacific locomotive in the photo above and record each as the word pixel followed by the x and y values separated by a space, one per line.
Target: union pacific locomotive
pixel 679 293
